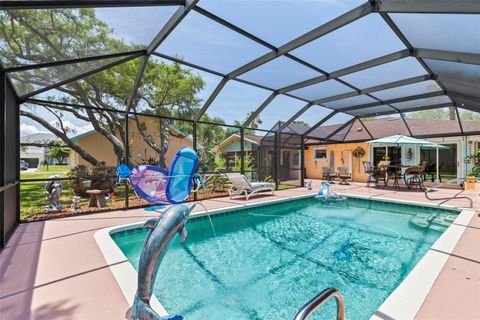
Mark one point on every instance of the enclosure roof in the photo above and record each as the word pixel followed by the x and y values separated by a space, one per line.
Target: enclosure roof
pixel 324 65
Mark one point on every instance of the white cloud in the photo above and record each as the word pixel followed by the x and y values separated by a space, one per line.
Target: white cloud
pixel 76 130
pixel 26 129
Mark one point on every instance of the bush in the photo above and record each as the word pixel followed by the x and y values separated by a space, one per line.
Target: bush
pixel 104 178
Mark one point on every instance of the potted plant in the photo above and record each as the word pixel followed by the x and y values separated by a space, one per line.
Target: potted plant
pixel 471 183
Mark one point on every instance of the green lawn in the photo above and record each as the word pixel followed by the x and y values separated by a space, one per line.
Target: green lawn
pixel 286 186
pixel 33 201
pixel 32 194
pixel 44 172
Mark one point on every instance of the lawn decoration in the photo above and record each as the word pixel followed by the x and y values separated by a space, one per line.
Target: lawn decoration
pixel 53 191
pixel 159 186
pixel 76 206
pixel 162 230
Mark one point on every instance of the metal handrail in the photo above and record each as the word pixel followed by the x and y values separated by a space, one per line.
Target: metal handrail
pixel 312 305
pixel 449 198
pixel 8 186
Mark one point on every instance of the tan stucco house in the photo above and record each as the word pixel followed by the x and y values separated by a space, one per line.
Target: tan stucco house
pixel 100 148
pixel 452 160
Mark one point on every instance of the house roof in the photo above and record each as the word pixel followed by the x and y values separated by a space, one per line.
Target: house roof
pixel 254 139
pixel 75 139
pixel 385 127
pixel 39 137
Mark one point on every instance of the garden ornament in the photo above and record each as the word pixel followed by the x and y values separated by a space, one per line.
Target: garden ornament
pixel 53 191
pixel 76 206
pixel 162 230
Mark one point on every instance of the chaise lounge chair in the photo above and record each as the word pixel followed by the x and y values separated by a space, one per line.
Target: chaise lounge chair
pixel 242 187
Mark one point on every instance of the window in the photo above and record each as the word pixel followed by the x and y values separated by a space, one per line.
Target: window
pixel 320 154
pixel 296 159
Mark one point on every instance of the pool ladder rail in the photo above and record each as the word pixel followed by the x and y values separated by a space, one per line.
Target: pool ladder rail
pixel 317 301
pixel 448 198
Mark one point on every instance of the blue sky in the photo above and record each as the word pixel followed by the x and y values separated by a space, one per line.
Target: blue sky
pixel 204 42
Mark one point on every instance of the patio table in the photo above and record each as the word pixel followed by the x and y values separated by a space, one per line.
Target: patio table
pixel 394 172
pixel 97 198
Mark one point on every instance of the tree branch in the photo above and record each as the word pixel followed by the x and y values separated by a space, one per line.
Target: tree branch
pixel 85 155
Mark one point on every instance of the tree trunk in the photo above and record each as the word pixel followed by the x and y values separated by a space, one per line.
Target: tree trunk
pixel 85 155
pixel 163 143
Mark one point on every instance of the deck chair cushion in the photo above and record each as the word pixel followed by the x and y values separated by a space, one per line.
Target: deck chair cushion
pixel 241 185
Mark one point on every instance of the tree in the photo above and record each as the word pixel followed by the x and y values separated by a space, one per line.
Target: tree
pixel 469 115
pixel 40 36
pixel 59 153
pixel 254 124
pixel 208 136
pixel 433 114
pixel 301 122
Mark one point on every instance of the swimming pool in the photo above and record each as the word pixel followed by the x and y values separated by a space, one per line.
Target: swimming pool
pixel 266 262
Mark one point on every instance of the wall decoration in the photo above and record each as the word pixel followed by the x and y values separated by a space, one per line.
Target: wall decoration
pixel 358 153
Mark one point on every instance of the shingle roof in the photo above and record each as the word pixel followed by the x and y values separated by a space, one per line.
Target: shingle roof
pixel 385 127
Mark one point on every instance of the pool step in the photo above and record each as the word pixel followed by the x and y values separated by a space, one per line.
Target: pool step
pixel 433 222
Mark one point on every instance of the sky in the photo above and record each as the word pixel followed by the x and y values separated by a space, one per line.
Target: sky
pixel 202 41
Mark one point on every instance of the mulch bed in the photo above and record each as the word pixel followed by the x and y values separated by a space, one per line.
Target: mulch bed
pixel 133 203
pixel 119 204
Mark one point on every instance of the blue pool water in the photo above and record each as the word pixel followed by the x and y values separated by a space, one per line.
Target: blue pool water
pixel 266 262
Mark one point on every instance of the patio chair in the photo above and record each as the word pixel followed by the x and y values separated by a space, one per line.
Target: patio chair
pixel 328 174
pixel 413 176
pixel 344 174
pixel 242 187
pixel 369 169
pixel 381 172
pixel 432 172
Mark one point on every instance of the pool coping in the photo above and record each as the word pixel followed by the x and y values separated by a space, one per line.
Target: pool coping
pixel 414 288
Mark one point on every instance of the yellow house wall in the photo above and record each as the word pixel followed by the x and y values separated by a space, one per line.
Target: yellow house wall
pixel 314 168
pixel 101 149
pixel 97 146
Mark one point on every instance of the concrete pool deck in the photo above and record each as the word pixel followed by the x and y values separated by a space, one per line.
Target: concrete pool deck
pixel 55 270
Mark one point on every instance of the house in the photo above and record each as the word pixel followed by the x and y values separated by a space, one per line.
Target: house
pixel 260 148
pixel 35 149
pixel 452 160
pixel 140 152
pixel 231 148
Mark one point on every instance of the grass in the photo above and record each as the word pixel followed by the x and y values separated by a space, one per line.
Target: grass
pixel 32 194
pixel 286 186
pixel 33 201
pixel 44 172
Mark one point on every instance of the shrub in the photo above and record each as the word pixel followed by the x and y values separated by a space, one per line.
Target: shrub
pixel 104 178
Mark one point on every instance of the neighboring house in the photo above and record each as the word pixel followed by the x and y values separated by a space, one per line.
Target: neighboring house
pixel 36 154
pixel 452 161
pixel 101 149
pixel 231 148
pixel 261 149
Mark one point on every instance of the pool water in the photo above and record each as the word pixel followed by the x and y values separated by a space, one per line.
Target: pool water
pixel 266 262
